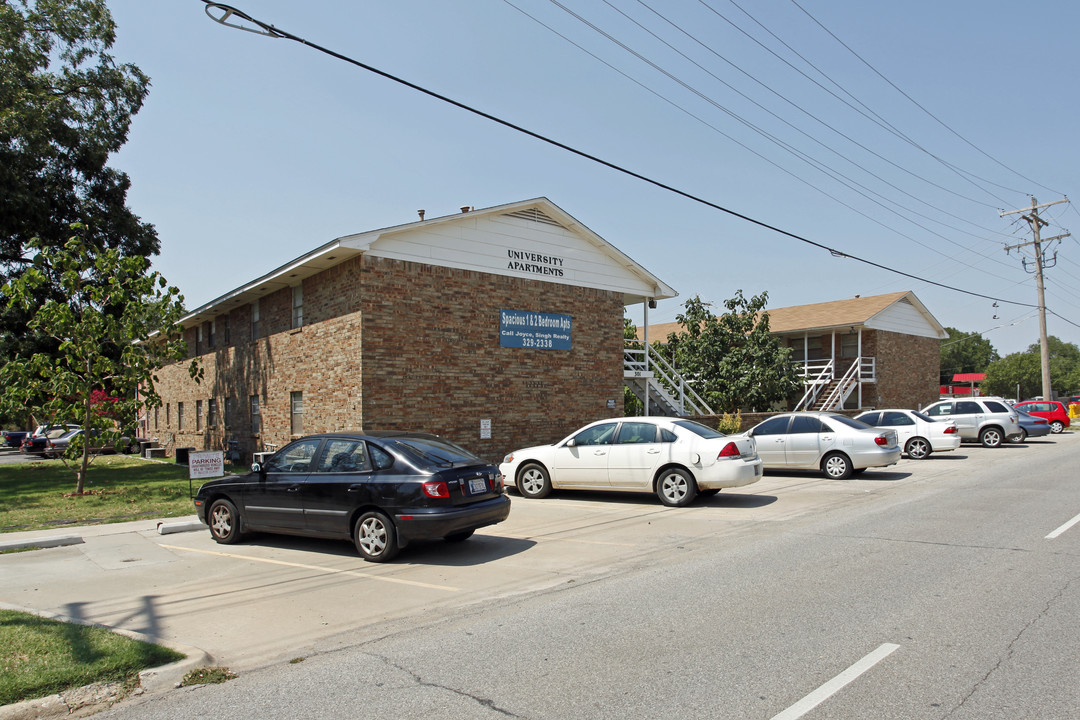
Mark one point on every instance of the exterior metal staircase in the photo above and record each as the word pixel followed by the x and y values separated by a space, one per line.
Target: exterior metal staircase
pixel 826 391
pixel 657 385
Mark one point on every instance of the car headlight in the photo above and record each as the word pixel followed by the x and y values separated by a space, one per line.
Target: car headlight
pixel 509 458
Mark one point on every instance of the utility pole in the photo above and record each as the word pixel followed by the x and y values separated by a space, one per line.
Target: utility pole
pixel 1037 223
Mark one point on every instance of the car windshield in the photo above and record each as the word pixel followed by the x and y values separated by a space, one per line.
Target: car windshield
pixel 919 415
pixel 698 429
pixel 434 451
pixel 845 420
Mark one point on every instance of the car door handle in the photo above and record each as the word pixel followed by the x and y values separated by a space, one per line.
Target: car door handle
pixel 293 488
pixel 653 451
pixel 354 488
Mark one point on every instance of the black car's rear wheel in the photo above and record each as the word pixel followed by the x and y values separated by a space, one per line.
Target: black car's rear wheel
pixel 375 536
pixel 224 522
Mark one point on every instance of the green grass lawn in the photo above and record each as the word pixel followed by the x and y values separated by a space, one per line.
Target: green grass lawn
pixel 37 495
pixel 40 657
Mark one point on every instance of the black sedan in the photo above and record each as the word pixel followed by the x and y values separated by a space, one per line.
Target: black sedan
pixel 382 490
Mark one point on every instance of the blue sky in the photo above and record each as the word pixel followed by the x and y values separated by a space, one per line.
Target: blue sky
pixel 250 151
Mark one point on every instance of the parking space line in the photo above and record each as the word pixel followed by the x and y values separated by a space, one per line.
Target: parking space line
pixel 1063 528
pixel 319 568
pixel 830 688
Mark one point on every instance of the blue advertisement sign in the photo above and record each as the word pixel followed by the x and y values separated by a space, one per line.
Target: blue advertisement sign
pixel 527 329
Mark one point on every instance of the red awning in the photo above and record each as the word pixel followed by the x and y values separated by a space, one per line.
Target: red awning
pixel 969 377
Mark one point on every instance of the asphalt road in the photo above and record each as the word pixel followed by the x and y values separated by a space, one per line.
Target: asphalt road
pixel 945 588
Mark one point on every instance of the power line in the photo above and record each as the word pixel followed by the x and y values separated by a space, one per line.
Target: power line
pixel 916 104
pixel 228 12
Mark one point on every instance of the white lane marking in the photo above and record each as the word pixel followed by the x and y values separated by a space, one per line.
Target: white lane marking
pixel 319 568
pixel 830 688
pixel 1063 528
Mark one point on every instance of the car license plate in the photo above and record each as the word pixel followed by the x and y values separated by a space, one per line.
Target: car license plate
pixel 477 486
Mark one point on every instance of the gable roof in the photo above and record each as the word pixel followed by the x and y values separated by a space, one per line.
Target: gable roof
pixel 896 312
pixel 533 239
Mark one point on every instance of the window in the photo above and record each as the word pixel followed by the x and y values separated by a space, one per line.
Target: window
pixel 225 329
pixel 156 416
pixel 803 424
pixel 636 432
pixel 995 406
pixel 380 458
pixel 256 421
pixel 255 320
pixel 849 345
pixel 294 458
pixel 940 410
pixel 211 413
pixel 198 415
pixel 180 416
pixel 773 426
pixel 343 456
pixel 213 333
pixel 298 306
pixel 198 340
pixel 967 407
pixel 228 411
pixel 896 418
pixel 871 418
pixel 596 435
pixel 296 402
pixel 168 415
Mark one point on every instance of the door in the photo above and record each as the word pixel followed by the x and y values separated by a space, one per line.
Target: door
pixel 634 456
pixel 584 463
pixel 274 499
pixel 339 483
pixel 771 437
pixel 807 438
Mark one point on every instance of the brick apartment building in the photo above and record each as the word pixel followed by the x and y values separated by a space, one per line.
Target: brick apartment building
pixel 496 328
pixel 888 346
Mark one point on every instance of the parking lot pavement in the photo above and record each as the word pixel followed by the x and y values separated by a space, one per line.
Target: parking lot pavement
pixel 273 598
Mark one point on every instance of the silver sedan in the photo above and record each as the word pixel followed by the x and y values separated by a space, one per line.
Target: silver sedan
pixel 835 444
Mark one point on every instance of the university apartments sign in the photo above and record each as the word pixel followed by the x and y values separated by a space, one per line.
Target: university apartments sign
pixel 536 263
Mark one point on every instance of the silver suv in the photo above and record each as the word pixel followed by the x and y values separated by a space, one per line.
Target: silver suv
pixel 990 420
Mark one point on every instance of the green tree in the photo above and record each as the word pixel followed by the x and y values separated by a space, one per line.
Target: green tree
pixel 732 360
pixel 1016 375
pixel 631 404
pixel 65 106
pixel 964 352
pixel 97 372
pixel 1024 370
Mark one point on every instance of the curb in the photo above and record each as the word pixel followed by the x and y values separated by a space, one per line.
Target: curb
pixel 163 528
pixel 151 680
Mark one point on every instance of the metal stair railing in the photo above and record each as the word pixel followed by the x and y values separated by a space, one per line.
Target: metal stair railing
pixel 679 393
pixel 843 388
pixel 815 385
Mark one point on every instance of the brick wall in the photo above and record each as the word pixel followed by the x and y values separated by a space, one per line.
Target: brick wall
pixel 388 344
pixel 908 369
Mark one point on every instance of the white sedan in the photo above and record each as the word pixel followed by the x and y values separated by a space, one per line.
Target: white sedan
pixel 918 434
pixel 674 457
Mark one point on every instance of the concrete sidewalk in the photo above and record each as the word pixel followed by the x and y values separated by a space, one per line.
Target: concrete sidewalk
pixel 84 699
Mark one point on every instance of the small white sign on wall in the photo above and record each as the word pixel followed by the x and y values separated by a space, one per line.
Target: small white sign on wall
pixel 485 429
pixel 206 464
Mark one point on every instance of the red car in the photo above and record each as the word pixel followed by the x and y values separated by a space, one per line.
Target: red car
pixel 1054 412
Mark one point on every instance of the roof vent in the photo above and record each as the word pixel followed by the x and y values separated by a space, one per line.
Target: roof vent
pixel 420 213
pixel 466 208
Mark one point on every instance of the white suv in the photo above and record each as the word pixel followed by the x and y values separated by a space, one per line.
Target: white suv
pixel 989 420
